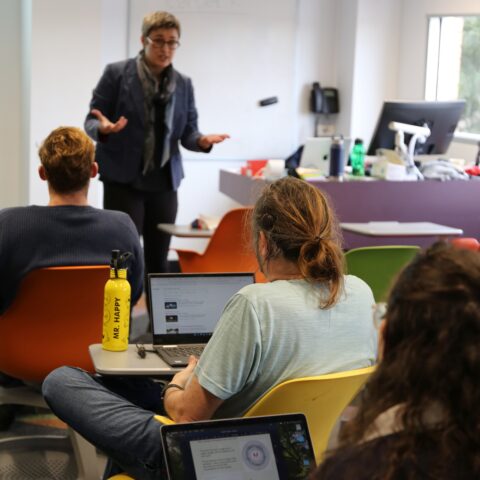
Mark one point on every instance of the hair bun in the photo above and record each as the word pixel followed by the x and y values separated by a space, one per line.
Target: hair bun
pixel 268 221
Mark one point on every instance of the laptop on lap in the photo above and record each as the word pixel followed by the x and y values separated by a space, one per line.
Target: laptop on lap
pixel 274 447
pixel 185 308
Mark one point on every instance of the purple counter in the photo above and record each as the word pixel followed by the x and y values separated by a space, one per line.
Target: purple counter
pixel 454 203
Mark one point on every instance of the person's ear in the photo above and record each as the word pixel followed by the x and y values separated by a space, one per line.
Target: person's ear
pixel 41 173
pixel 381 338
pixel 143 41
pixel 262 244
pixel 94 170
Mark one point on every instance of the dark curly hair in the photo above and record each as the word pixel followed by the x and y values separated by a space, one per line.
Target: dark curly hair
pixel 300 225
pixel 431 360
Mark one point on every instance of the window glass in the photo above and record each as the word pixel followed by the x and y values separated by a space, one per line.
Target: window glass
pixel 453 65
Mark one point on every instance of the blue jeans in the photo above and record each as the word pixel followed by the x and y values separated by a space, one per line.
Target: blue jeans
pixel 113 413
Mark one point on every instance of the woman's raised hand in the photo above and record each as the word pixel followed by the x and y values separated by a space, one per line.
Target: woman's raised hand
pixel 106 126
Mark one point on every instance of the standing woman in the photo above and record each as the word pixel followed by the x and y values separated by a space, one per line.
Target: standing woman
pixel 140 110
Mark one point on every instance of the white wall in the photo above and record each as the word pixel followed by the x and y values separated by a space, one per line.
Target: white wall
pixel 375 73
pixel 13 185
pixel 66 61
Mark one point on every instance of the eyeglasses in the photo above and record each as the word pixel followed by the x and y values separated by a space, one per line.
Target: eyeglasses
pixel 159 43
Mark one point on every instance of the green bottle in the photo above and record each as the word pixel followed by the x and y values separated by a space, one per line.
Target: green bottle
pixel 357 158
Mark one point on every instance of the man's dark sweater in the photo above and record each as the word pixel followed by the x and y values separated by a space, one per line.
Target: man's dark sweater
pixel 35 237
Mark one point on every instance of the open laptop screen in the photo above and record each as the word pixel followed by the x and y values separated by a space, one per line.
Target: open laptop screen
pixel 274 447
pixel 185 308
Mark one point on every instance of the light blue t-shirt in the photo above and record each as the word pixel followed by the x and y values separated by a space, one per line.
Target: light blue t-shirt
pixel 271 332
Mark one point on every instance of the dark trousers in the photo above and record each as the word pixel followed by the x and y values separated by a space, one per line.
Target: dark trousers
pixel 146 209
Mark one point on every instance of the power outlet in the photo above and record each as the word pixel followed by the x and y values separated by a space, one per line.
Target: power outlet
pixel 325 130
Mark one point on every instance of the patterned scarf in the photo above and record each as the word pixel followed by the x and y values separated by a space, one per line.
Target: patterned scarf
pixel 155 90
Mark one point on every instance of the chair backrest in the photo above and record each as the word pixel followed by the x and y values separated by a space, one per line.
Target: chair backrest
pixel 468 243
pixel 321 398
pixel 229 249
pixel 56 315
pixel 378 266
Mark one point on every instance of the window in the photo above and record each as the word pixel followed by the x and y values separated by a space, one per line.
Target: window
pixel 453 65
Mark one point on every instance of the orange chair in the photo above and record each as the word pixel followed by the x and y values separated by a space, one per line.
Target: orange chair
pixel 57 313
pixel 469 243
pixel 55 316
pixel 229 250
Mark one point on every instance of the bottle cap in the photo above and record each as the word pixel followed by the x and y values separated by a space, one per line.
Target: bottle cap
pixel 119 262
pixel 358 141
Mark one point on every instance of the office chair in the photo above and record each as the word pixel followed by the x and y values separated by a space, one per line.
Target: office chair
pixel 229 249
pixel 55 316
pixel 321 398
pixel 378 266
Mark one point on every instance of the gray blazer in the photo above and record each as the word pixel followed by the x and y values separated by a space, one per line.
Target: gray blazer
pixel 119 92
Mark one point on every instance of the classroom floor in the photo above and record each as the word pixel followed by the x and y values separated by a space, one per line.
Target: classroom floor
pixel 50 459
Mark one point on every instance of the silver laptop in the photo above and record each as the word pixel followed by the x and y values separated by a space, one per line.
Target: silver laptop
pixel 316 153
pixel 185 308
pixel 273 447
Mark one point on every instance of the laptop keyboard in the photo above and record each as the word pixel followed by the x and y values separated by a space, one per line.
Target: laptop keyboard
pixel 178 356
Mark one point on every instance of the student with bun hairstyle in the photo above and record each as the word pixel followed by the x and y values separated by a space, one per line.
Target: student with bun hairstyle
pixel 420 417
pixel 309 319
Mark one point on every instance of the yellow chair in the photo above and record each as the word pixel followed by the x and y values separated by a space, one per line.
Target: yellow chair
pixel 57 313
pixel 321 399
pixel 229 249
pixel 378 266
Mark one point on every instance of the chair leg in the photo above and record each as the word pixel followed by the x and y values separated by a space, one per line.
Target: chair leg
pixel 85 456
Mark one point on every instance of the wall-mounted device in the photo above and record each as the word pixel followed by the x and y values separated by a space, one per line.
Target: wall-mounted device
pixel 323 100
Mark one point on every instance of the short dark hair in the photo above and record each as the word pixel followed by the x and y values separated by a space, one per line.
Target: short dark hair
pixel 155 20
pixel 67 155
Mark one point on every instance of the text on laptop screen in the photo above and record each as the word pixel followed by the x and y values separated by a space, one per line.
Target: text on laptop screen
pixel 191 304
pixel 261 448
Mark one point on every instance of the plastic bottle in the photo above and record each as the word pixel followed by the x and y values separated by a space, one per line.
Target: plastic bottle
pixel 357 158
pixel 116 306
pixel 337 161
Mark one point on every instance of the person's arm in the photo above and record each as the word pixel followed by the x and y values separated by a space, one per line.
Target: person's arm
pixel 191 402
pixel 192 139
pixel 230 361
pixel 99 122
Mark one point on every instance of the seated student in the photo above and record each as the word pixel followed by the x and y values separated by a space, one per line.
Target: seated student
pixel 308 320
pixel 67 231
pixel 420 417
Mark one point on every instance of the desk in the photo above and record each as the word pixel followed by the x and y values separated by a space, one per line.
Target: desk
pixel 128 362
pixel 401 229
pixel 455 203
pixel 184 231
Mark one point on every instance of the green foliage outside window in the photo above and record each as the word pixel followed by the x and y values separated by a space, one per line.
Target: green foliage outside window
pixel 469 87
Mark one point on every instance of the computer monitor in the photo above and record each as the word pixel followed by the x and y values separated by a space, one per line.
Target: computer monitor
pixel 441 117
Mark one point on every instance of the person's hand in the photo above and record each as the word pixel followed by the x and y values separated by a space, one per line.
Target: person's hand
pixel 106 126
pixel 206 141
pixel 181 378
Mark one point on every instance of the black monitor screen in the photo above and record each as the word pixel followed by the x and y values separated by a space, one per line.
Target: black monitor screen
pixel 440 117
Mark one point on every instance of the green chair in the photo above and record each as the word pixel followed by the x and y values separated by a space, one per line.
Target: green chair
pixel 378 266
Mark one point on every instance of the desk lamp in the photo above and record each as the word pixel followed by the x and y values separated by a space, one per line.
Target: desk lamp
pixel 419 134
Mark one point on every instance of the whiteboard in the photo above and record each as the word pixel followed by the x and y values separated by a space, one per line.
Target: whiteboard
pixel 236 52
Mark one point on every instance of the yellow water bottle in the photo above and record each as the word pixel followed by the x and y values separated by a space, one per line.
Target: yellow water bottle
pixel 116 306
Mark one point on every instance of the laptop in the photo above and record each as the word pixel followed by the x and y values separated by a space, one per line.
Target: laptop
pixel 274 447
pixel 316 153
pixel 185 308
